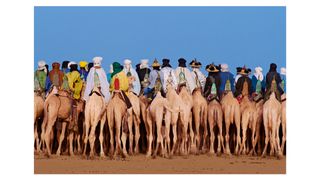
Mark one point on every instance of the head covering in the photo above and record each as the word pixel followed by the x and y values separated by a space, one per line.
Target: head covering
pixel 65 64
pixel 97 61
pixel 111 69
pixel 182 62
pixel 273 67
pixel 71 63
pixel 127 61
pixel 116 68
pixel 46 68
pixel 155 63
pixel 144 63
pixel 55 66
pixel 41 65
pixel 248 70
pixel 90 65
pixel 165 63
pixel 239 69
pixel 195 64
pixel 211 68
pixel 224 68
pixel 258 73
pixel 283 71
pixel 83 64
pixel 243 71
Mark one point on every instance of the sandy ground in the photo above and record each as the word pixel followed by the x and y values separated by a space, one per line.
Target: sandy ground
pixel 138 164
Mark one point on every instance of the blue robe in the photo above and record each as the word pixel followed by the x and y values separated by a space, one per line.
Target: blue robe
pixel 224 76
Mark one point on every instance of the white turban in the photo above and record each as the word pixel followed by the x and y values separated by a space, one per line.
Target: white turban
pixel 97 61
pixel 144 63
pixel 41 65
pixel 224 68
pixel 71 63
pixel 283 71
pixel 258 73
pixel 127 61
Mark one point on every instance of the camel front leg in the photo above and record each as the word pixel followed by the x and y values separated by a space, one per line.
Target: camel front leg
pixel 130 124
pixel 150 138
pixel 86 136
pixel 92 138
pixel 63 131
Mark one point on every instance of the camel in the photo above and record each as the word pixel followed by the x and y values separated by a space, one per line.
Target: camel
pixel 94 112
pixel 116 115
pixel 186 118
pixel 283 121
pixel 38 113
pixel 155 115
pixel 248 120
pixel 199 110
pixel 231 110
pixel 75 133
pixel 135 115
pixel 271 122
pixel 259 120
pixel 215 116
pixel 56 107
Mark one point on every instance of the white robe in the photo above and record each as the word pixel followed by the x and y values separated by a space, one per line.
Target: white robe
pixel 166 72
pixel 201 77
pixel 191 83
pixel 103 83
pixel 136 84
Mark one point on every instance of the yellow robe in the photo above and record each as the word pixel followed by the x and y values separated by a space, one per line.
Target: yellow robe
pixel 123 79
pixel 75 83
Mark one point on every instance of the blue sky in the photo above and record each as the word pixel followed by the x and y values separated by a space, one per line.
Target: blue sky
pixel 237 36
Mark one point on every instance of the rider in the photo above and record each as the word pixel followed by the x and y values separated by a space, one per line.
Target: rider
pixel 241 89
pixel 227 80
pixel 55 77
pixel 156 80
pixel 97 78
pixel 74 80
pixel 133 78
pixel 258 84
pixel 273 77
pixel 120 82
pixel 143 72
pixel 83 70
pixel 40 76
pixel 198 76
pixel 168 75
pixel 184 76
pixel 213 83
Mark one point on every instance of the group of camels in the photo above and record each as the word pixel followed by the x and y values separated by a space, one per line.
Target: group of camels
pixel 179 124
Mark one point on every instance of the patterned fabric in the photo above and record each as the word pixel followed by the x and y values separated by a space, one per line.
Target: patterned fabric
pixel 184 75
pixel 96 79
pixel 40 80
pixel 123 82
pixel 199 77
pixel 169 77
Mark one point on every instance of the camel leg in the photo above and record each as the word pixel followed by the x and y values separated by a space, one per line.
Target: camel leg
pixel 237 122
pixel 130 124
pixel 92 138
pixel 174 130
pixel 266 140
pixel 244 134
pixel 220 136
pixel 150 138
pixel 86 136
pixel 205 129
pixel 168 141
pixel 101 135
pixel 36 138
pixel 78 142
pixel 47 137
pixel 195 145
pixel 137 135
pixel 159 136
pixel 227 137
pixel 71 135
pixel 212 138
pixel 63 131
pixel 284 134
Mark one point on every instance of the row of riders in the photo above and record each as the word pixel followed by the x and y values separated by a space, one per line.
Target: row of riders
pixel 175 104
